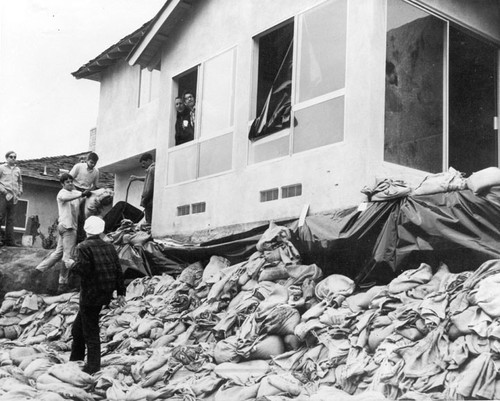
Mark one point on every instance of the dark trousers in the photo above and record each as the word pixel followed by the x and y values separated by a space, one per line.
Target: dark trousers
pixel 148 213
pixel 7 216
pixel 80 232
pixel 85 333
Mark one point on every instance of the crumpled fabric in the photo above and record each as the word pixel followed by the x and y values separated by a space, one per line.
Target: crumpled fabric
pixel 279 384
pixel 243 373
pixel 482 180
pixel 426 357
pixel 451 180
pixel 410 279
pixel 212 272
pixel 478 379
pixel 387 189
pixel 485 295
pixel 433 308
pixel 192 274
pixel 334 285
pixel 191 356
pixel 487 269
pixel 273 237
pixel 280 320
pixel 469 320
pixel 437 283
pixel 226 350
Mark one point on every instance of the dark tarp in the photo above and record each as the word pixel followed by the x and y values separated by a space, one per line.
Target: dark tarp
pixel 458 228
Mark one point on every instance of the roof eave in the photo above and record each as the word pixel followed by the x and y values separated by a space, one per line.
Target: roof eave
pixel 158 32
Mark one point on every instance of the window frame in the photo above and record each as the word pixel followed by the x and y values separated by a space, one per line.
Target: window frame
pixel 16 228
pixel 199 139
pixel 296 19
pixel 448 22
pixel 151 94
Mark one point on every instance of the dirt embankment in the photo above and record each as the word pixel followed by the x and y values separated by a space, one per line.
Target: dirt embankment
pixel 16 264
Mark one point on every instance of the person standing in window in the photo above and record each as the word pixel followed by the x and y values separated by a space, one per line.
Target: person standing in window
pixel 190 103
pixel 11 188
pixel 148 164
pixel 184 130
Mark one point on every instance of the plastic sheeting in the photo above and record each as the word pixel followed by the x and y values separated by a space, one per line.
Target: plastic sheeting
pixel 458 228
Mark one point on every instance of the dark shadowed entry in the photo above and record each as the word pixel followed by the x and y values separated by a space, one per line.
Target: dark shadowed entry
pixel 472 103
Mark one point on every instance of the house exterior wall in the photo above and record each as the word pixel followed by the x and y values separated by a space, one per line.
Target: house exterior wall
pixel 124 129
pixel 331 176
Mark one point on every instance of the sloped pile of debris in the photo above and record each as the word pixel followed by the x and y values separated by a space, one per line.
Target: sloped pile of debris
pixel 268 328
pixel 256 318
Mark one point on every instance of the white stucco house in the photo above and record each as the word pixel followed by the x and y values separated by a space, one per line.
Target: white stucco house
pixel 346 92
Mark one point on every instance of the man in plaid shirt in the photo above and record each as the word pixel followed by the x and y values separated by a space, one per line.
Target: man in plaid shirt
pixel 100 274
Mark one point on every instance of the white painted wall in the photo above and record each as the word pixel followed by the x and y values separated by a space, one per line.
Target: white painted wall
pixel 331 176
pixel 124 130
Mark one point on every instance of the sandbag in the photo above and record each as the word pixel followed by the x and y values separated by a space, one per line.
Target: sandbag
pixel 484 179
pixel 268 347
pixel 225 350
pixel 451 180
pixel 333 285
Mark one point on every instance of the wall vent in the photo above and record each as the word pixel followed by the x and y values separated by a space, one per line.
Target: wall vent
pixel 183 210
pixel 290 191
pixel 199 207
pixel 269 195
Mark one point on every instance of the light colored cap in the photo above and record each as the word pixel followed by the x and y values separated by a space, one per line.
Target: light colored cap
pixel 94 225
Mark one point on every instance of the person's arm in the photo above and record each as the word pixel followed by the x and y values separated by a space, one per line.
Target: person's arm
pixel 147 193
pixel 95 184
pixel 137 178
pixel 83 262
pixel 20 182
pixel 69 196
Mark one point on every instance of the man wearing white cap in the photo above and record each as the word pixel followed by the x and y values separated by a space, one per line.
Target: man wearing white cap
pixel 100 274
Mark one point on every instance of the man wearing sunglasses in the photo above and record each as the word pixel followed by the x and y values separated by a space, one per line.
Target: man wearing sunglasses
pixel 11 188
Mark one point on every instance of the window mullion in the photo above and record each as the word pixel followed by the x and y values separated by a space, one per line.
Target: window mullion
pixel 295 74
pixel 446 102
pixel 197 119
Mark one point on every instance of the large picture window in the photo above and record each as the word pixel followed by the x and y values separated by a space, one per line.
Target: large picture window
pixel 440 93
pixel 414 88
pixel 300 83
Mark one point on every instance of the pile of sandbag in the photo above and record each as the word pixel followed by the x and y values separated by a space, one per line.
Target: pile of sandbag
pixel 269 328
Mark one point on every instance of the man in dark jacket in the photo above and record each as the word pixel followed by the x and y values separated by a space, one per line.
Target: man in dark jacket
pixel 184 130
pixel 148 164
pixel 100 274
